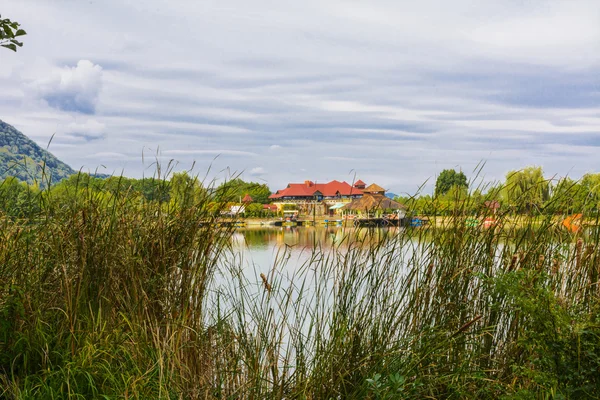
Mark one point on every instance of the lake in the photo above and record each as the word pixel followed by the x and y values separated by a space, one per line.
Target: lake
pixel 262 246
pixel 290 275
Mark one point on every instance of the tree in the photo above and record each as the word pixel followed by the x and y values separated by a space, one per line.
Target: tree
pixel 18 199
pixel 186 191
pixel 254 210
pixel 236 189
pixel 153 189
pixel 567 197
pixel 526 189
pixel 449 178
pixel 9 32
pixel 591 185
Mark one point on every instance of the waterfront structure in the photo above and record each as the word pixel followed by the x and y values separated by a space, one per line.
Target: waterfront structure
pixel 270 207
pixel 360 184
pixel 316 198
pixel 374 203
pixel 492 205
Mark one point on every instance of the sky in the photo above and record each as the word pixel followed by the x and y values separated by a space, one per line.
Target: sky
pixel 282 91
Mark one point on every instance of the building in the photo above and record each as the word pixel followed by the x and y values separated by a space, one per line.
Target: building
pixel 360 184
pixel 374 203
pixel 270 207
pixel 492 205
pixel 316 198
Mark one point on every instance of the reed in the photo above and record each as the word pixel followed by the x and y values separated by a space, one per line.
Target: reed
pixel 105 294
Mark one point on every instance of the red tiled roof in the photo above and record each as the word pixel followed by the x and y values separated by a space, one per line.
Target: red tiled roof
pixel 359 183
pixel 247 199
pixel 308 189
pixel 493 204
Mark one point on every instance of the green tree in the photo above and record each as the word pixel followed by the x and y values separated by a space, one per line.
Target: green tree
pixel 591 189
pixel 186 191
pixel 10 31
pixel 526 189
pixel 153 189
pixel 425 205
pixel 19 199
pixel 236 189
pixel 254 210
pixel 449 178
pixel 567 197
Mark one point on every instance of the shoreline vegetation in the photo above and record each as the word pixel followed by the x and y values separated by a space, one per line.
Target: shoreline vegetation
pixel 112 288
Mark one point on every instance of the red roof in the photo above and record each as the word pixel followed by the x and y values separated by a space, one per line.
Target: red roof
pixel 309 189
pixel 359 183
pixel 247 199
pixel 493 204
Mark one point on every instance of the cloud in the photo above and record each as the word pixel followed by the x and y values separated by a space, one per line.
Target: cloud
pixel 73 88
pixel 88 130
pixel 103 155
pixel 394 91
pixel 209 152
pixel 257 171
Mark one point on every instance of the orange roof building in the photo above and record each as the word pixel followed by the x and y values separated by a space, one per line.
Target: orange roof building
pixel 270 207
pixel 359 184
pixel 319 191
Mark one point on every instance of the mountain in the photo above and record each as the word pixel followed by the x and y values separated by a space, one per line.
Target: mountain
pixel 22 158
pixel 391 195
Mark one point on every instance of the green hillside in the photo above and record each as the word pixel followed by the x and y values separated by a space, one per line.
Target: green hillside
pixel 22 158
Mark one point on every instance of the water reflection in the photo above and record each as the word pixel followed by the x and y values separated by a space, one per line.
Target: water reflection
pixel 303 238
pixel 260 248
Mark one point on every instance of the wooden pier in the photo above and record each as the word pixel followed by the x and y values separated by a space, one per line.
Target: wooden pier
pixel 381 222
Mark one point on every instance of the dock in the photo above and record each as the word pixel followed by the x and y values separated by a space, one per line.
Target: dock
pixel 381 222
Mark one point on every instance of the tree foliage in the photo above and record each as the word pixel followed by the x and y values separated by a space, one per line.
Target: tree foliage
pixel 526 189
pixel 582 196
pixel 236 189
pixel 185 190
pixel 19 199
pixel 449 178
pixel 591 187
pixel 10 32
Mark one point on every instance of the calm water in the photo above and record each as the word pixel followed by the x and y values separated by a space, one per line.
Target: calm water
pixel 260 247
pixel 281 255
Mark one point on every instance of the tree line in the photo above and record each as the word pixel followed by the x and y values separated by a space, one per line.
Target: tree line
pixel 19 199
pixel 523 191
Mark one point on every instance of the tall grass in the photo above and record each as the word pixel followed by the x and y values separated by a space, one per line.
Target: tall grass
pixel 106 295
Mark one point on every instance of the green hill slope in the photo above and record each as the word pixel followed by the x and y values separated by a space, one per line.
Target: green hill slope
pixel 22 158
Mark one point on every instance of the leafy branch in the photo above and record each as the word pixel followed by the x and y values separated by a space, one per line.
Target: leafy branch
pixel 9 32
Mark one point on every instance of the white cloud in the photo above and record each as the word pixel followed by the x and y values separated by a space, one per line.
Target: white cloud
pixel 209 152
pixel 556 33
pixel 72 88
pixel 108 155
pixel 395 90
pixel 91 129
pixel 257 171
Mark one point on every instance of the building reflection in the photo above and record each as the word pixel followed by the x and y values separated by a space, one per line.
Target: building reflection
pixel 310 237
